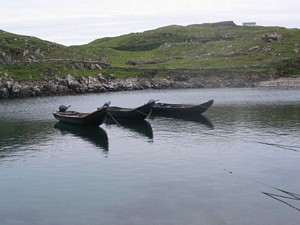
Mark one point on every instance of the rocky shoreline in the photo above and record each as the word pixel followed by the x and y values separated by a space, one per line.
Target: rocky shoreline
pixel 79 85
pixel 288 82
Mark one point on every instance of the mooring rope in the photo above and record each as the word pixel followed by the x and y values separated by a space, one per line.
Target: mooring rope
pixel 111 116
pixel 141 112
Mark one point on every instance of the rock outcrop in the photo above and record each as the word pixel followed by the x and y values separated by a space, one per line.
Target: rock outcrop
pixel 288 82
pixel 273 37
pixel 79 84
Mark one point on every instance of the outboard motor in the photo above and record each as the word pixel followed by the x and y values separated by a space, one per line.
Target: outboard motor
pixel 63 108
pixel 106 104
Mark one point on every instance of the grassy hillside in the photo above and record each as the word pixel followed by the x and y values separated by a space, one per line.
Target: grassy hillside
pixel 27 58
pixel 218 48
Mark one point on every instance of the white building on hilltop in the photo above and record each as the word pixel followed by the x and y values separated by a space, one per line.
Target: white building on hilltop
pixel 249 24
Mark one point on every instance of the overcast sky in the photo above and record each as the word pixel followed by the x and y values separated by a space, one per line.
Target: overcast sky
pixel 72 22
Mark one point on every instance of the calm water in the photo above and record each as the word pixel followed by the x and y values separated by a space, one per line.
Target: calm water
pixel 238 166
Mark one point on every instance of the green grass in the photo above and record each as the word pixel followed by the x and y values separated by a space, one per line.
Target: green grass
pixel 42 71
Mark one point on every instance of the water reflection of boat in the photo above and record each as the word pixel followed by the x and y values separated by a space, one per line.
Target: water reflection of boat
pixel 198 119
pixel 142 127
pixel 94 135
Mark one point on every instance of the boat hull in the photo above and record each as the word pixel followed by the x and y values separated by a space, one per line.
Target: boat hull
pixel 139 113
pixel 180 110
pixel 87 119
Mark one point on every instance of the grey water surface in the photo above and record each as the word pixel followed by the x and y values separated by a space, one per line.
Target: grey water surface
pixel 239 164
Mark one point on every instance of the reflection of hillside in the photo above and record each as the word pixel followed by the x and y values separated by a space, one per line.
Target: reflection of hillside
pixel 259 116
pixel 14 136
pixel 95 135
pixel 141 127
pixel 278 116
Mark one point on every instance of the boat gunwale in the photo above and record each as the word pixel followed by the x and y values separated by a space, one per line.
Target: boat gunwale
pixel 181 106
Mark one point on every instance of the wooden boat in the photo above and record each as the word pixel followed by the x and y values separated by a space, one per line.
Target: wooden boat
pixel 95 118
pixel 180 110
pixel 139 113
